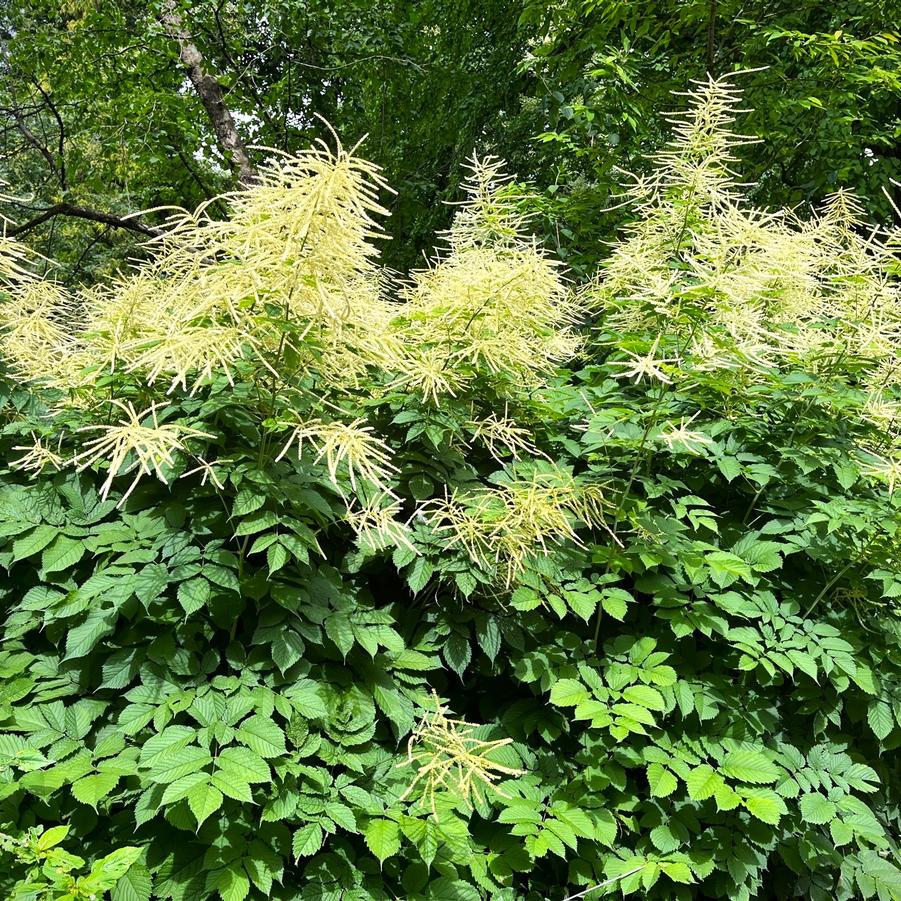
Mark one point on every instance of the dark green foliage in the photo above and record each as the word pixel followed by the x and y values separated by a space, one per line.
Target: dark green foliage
pixel 825 99
pixel 703 690
pixel 568 92
pixel 426 81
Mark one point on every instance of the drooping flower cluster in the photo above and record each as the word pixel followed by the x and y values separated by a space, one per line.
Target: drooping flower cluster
pixel 522 517
pixel 450 757
pixel 131 445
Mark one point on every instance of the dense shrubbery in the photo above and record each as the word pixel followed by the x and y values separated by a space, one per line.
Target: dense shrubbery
pixel 412 612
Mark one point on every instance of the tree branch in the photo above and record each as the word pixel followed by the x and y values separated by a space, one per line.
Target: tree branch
pixel 210 93
pixel 61 149
pixel 42 149
pixel 80 212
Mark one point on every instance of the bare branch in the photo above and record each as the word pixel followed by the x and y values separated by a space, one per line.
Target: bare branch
pixel 61 149
pixel 41 148
pixel 80 212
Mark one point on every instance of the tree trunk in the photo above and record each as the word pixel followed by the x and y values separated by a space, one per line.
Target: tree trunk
pixel 210 93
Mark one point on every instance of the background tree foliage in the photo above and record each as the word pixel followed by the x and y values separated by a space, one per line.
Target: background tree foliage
pixel 100 88
pixel 826 103
pixel 97 111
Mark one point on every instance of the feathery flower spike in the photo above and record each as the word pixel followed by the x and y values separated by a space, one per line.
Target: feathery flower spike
pixel 450 757
pixel 129 445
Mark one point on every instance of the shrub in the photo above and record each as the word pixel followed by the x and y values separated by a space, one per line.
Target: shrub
pixel 326 584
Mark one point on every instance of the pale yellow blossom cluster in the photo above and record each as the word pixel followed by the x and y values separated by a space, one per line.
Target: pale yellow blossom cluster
pixel 712 283
pixel 132 445
pixel 451 758
pixel 508 525
pixel 287 293
pixel 347 448
pixel 297 248
pixel 493 305
pixel 703 269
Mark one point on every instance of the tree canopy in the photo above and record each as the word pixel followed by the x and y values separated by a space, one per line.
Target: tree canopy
pixel 97 110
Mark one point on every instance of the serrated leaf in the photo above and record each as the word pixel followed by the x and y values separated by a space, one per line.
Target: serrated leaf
pixel 340 631
pixel 181 787
pixel 307 840
pixel 93 788
pixel 305 697
pixel 150 582
pixel 677 871
pixel 231 787
pixel 578 820
pixel 750 765
pixel 863 678
pixel 83 638
pixel 382 838
pixel 466 582
pixel 457 652
pixel 135 885
pixel 879 716
pixel 158 746
pixel 248 501
pixel 568 693
pixel 803 661
pixel 176 764
pixel 861 777
pixel 841 833
pixel 419 575
pixel 263 736
pixel 488 635
pixel 204 799
pixel 645 696
pixel 447 889
pixel 765 804
pixel 33 542
pixel 702 782
pixel 244 765
pixel 62 554
pixel 194 594
pixel 256 522
pixel 726 568
pixel 728 466
pixel 233 883
pixel 424 835
pixel 661 781
pixel 276 557
pixel 615 602
pixel 287 649
pixel 817 808
pixel 341 815
pixel 664 840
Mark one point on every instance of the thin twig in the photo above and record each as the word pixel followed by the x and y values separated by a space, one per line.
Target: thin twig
pixel 607 882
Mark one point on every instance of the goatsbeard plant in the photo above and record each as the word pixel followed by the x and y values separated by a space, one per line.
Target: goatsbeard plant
pixel 475 583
